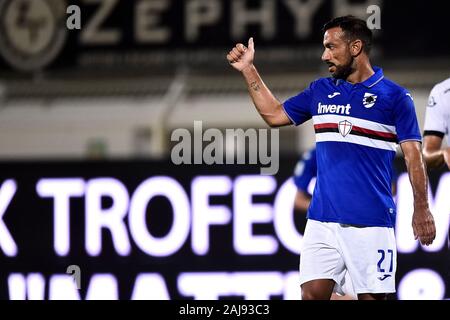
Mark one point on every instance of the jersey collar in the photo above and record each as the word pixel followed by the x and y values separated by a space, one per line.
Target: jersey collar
pixel 375 78
pixel 369 83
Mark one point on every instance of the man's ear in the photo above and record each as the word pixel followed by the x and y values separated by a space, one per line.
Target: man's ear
pixel 356 47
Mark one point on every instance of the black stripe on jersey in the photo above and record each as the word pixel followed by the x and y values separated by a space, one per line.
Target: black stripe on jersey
pixel 433 133
pixel 322 130
pixel 357 133
pixel 372 136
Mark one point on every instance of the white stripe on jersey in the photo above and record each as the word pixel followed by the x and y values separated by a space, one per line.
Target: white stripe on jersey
pixel 350 138
pixel 371 125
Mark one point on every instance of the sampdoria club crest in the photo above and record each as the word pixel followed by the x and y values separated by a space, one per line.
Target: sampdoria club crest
pixel 369 100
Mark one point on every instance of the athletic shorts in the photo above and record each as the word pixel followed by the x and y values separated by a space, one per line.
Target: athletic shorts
pixel 365 255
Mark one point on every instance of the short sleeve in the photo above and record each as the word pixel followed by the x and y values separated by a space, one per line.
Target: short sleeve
pixel 406 118
pixel 305 171
pixel 435 119
pixel 298 108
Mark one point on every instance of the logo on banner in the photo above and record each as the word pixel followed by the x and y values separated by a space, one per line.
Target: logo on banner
pixel 33 32
pixel 345 127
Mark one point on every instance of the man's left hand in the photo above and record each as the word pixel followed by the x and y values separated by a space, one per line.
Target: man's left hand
pixel 423 226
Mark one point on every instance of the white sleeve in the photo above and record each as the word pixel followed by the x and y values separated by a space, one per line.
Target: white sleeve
pixel 436 116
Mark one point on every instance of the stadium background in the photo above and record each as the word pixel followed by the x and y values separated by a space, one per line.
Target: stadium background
pixel 95 109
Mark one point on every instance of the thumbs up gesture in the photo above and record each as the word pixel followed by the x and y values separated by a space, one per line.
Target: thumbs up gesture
pixel 241 57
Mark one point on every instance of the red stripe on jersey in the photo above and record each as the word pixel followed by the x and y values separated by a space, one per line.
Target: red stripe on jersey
pixel 326 126
pixel 375 133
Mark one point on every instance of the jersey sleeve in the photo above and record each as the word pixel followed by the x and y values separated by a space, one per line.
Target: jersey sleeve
pixel 435 119
pixel 405 118
pixel 305 171
pixel 298 108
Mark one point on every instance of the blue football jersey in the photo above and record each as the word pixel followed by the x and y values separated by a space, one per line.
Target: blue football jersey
pixel 357 127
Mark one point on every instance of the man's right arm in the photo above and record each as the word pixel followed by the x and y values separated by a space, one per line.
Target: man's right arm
pixel 270 109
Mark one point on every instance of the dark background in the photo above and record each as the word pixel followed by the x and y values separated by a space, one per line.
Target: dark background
pixel 30 220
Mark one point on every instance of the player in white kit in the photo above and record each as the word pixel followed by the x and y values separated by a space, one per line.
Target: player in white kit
pixel 437 125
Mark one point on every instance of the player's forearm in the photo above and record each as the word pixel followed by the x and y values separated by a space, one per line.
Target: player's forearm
pixel 446 153
pixel 434 159
pixel 265 102
pixel 302 201
pixel 418 177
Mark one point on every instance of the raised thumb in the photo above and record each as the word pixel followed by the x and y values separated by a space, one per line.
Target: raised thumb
pixel 251 45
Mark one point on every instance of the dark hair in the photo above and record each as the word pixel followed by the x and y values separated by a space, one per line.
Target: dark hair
pixel 353 28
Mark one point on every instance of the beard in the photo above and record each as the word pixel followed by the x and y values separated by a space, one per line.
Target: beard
pixel 342 71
